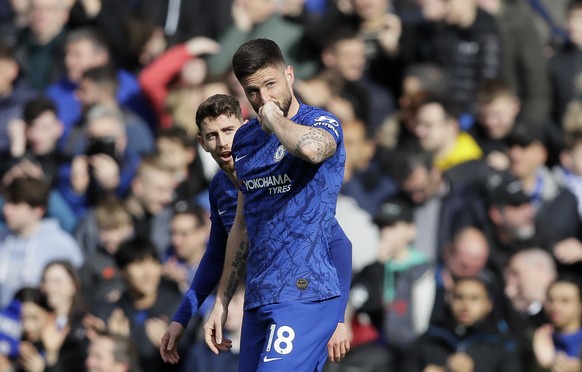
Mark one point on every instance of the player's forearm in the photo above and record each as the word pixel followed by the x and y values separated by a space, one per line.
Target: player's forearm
pixel 234 267
pixel 314 145
pixel 235 260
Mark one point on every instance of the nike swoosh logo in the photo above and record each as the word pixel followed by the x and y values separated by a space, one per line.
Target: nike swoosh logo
pixel 266 359
pixel 220 213
pixel 239 158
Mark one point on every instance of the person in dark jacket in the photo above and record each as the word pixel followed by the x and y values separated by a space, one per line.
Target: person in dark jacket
pixel 467 339
pixel 466 44
pixel 146 304
pixel 566 64
pixel 396 292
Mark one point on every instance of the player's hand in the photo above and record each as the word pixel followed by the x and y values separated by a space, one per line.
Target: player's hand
pixel 213 329
pixel 339 344
pixel 266 114
pixel 169 345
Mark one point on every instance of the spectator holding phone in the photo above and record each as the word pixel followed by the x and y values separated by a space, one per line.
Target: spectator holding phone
pixel 107 167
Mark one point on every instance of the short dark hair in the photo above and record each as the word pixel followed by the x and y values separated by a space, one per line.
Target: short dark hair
pixel 176 134
pixel 34 295
pixel 124 350
pixel 572 139
pixel 491 89
pixel 91 34
pixel 569 279
pixel 6 50
pixel 104 76
pixel 35 107
pixel 341 33
pixel 431 76
pixel 450 108
pixel 255 55
pixel 478 280
pixel 408 159
pixel 135 250
pixel 28 190
pixel 190 209
pixel 216 105
pixel 574 5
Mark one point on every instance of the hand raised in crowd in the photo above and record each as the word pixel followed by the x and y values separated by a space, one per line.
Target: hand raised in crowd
pixel 201 45
pixel 543 345
pixel 105 171
pixel 498 161
pixel 155 329
pixel 290 8
pixel 154 47
pixel 24 168
pixel 118 323
pixel 30 359
pixel 339 344
pixel 433 368
pixel 17 136
pixel 91 7
pixel 460 362
pixel 564 363
pixel 389 36
pixel 169 343
pixel 176 272
pixel 80 174
pixel 241 16
pixel 53 338
pixel 568 251
pixel 94 325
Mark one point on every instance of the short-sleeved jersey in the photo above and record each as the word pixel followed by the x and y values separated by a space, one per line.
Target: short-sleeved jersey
pixel 289 212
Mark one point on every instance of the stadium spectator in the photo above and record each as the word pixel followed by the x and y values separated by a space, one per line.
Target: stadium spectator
pixel 31 242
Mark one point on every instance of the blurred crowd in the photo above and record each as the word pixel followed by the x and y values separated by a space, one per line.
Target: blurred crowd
pixel 462 194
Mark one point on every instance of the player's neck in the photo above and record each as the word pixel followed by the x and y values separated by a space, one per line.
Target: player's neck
pixel 294 108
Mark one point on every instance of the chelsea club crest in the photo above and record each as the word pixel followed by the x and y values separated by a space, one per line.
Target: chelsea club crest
pixel 279 154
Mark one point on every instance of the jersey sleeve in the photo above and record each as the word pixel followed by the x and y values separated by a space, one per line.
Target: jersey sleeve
pixel 329 123
pixel 341 257
pixel 208 272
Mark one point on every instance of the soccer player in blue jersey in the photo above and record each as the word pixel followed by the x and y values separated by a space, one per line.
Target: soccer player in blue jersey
pixel 218 118
pixel 289 164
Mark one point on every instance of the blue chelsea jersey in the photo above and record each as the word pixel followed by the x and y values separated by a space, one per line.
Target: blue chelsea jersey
pixel 223 199
pixel 289 212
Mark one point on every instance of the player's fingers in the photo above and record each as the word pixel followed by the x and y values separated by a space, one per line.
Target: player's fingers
pixel 209 338
pixel 218 332
pixel 164 348
pixel 173 357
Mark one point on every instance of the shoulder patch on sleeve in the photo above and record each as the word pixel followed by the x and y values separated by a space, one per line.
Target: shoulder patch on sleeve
pixel 327 122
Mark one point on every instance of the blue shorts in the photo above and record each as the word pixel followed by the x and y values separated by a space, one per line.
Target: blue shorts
pixel 290 336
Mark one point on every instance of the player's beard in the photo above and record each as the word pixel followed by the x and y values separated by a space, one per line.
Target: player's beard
pixel 285 105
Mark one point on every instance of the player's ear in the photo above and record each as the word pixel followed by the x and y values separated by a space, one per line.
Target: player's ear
pixel 290 75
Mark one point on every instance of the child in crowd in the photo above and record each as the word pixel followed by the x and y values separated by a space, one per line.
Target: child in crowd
pixel 396 293
pixel 569 171
pixel 557 346
pixel 467 338
pixel 178 152
pixel 101 278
